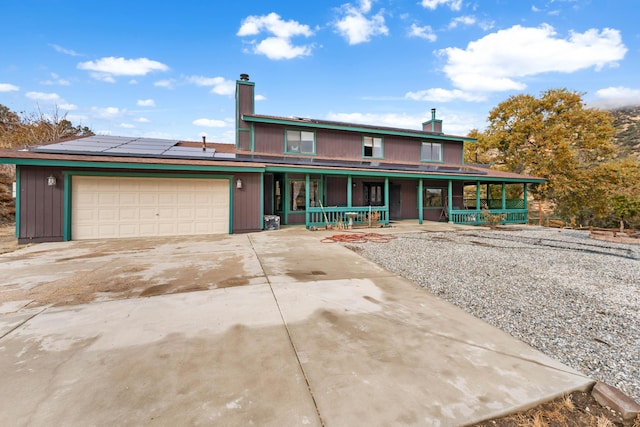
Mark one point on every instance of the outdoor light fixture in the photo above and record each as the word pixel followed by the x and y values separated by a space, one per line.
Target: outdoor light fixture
pixel 239 184
pixel 51 181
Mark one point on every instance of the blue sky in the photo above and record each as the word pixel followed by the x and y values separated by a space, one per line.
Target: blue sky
pixel 168 69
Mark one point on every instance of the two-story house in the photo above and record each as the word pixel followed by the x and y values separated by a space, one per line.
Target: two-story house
pixel 305 171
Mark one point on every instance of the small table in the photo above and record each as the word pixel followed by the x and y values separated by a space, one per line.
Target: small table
pixel 351 216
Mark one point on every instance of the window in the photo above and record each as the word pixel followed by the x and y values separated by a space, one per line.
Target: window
pixel 301 142
pixel 434 197
pixel 372 147
pixel 298 193
pixel 373 194
pixel 431 152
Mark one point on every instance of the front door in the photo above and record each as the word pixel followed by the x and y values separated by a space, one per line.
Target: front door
pixel 395 202
pixel 373 194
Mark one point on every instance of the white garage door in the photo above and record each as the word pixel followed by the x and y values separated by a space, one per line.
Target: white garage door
pixel 112 207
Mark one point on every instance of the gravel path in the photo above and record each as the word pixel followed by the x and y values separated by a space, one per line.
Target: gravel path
pixel 573 298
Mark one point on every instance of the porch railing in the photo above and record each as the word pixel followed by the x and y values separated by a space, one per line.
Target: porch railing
pixel 494 203
pixel 359 215
pixel 485 216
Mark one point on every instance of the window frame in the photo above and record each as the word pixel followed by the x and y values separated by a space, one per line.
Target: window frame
pixel 443 195
pixel 373 147
pixel 300 152
pixel 431 144
pixel 315 184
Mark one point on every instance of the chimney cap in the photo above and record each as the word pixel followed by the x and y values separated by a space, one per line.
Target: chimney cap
pixel 244 77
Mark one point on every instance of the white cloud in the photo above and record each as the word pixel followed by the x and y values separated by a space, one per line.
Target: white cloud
pixel 433 4
pixel 403 121
pixel 7 87
pixel 260 98
pixel 56 80
pixel 464 20
pixel 142 120
pixel 41 96
pixel 77 118
pixel 498 61
pixel 146 103
pixel 278 48
pixel 356 28
pixel 210 123
pixel 617 96
pixel 127 126
pixel 444 95
pixel 279 45
pixel 107 112
pixel 68 107
pixel 169 83
pixel 106 68
pixel 425 32
pixel 61 49
pixel 220 85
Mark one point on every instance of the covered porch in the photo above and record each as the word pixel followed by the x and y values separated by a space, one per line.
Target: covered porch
pixel 339 199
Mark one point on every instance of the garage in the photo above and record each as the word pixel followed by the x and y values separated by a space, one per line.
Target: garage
pixel 104 207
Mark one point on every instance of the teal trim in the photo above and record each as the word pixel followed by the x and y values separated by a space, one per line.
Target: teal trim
pixel 478 194
pixel 386 191
pixel 373 138
pixel 67 200
pixel 349 191
pixel 231 205
pixel 338 214
pixel 449 200
pixel 309 124
pixel 262 201
pixel 420 202
pixel 252 138
pixel 504 196
pixel 307 199
pixel 298 153
pixel 374 174
pixel 146 166
pixel 18 198
pixel 524 197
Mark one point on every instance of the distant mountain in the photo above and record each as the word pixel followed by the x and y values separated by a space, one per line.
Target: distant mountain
pixel 627 124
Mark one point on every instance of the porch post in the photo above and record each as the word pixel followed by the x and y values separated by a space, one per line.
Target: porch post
pixel 349 190
pixel 420 202
pixel 307 189
pixel 525 196
pixel 504 196
pixel 478 207
pixel 449 200
pixel 386 195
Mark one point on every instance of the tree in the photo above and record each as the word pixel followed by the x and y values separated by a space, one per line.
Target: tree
pixel 19 130
pixel 554 137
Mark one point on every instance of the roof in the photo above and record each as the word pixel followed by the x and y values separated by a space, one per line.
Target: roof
pixel 326 124
pixel 150 153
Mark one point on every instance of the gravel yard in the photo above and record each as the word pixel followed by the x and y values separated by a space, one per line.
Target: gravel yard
pixel 573 298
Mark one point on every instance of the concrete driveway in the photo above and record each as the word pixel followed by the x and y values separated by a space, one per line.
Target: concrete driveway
pixel 270 328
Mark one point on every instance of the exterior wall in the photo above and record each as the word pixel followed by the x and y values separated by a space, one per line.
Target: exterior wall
pixel 244 105
pixel 246 203
pixel 269 138
pixel 41 206
pixel 336 191
pixel 408 198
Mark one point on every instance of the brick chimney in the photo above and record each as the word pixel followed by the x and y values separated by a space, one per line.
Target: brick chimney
pixel 245 104
pixel 434 125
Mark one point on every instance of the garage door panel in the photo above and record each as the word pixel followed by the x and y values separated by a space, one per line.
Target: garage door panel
pixel 109 207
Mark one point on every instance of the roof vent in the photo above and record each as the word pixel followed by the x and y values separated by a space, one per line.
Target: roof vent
pixel 244 77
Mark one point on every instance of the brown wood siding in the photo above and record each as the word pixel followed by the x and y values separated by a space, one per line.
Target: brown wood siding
pixel 453 153
pixel 268 138
pixel 408 198
pixel 246 203
pixel 244 140
pixel 336 191
pixel 337 144
pixel 41 206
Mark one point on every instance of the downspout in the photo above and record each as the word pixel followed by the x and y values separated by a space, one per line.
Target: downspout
pixel 420 202
pixel 307 189
pixel 449 200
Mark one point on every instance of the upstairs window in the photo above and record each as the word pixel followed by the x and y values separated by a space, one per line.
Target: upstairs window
pixel 300 142
pixel 372 147
pixel 431 152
